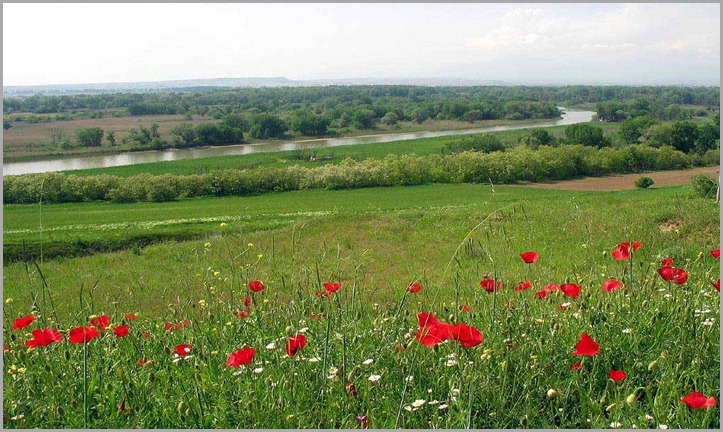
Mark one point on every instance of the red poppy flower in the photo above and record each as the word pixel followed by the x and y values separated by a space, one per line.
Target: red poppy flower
pixel 351 389
pixel 617 375
pixel 44 337
pixel 529 257
pixel 130 317
pixel 100 323
pixel 467 335
pixel 83 334
pixel 248 301
pixel 294 344
pixel 144 362
pixel 541 294
pixel 668 262
pixel 23 322
pixel 146 335
pixel 523 286
pixel 489 285
pixel 183 350
pixel 121 331
pixel 698 400
pixel 716 285
pixel 466 308
pixel 622 251
pixel 331 287
pixel 414 287
pixel 673 274
pixel 256 286
pixel 168 326
pixel 363 421
pixel 6 348
pixel 431 330
pixel 317 317
pixel 241 314
pixel 612 285
pixel 576 366
pixel 586 346
pixel 715 253
pixel 551 288
pixel 241 357
pixel 571 290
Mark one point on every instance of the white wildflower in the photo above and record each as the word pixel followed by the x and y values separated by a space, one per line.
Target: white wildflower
pixel 368 361
pixel 374 378
pixel 419 402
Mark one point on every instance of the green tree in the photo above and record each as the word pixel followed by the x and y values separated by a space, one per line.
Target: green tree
pixel 6 124
pixel 265 126
pixel 184 136
pixel 632 129
pixel 110 136
pixel 586 134
pixel 537 138
pixel 684 135
pixel 307 123
pixel 90 137
pixel 390 119
pixel 708 137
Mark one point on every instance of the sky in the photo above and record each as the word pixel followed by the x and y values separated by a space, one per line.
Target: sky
pixel 537 43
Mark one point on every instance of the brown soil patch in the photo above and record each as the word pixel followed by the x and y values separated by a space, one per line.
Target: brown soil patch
pixel 627 181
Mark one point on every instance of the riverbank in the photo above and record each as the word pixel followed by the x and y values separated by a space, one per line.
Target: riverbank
pixel 127 159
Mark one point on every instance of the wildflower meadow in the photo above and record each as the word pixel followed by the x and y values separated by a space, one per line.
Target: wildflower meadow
pixel 557 312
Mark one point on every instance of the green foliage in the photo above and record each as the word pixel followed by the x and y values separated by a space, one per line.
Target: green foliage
pixel 486 143
pixel 307 123
pixel 90 137
pixel 586 134
pixel 684 136
pixel 644 182
pixel 6 124
pixel 538 137
pixel 704 186
pixel 265 126
pixel 632 129
pixel 519 164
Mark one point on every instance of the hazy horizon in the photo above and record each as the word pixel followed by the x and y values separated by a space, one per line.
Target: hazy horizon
pixel 560 44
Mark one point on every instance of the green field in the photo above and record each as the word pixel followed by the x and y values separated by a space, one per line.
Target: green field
pixel 374 242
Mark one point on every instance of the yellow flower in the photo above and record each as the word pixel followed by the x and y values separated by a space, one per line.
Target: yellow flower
pixel 207 244
pixel 8 301
pixel 260 256
pixel 223 224
pixel 250 245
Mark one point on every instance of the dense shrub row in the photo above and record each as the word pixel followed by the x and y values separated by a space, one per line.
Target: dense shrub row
pixel 520 164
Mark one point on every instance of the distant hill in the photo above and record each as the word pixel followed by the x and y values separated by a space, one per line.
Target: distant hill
pixel 147 86
pixel 218 83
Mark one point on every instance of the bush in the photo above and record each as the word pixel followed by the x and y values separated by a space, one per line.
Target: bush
pixel 644 182
pixel 486 143
pixel 704 186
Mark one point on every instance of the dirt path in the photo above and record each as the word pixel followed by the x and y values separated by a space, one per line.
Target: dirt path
pixel 626 181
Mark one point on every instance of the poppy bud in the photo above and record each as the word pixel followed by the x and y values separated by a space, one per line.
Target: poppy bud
pixel 181 407
pixel 288 329
pixel 61 411
pixel 653 364
pixel 552 393
pixel 632 399
pixel 604 399
pixel 610 407
pixel 67 355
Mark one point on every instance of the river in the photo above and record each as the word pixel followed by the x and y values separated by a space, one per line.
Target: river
pixel 65 164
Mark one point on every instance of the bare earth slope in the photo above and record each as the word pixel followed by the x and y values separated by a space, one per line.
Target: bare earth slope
pixel 627 181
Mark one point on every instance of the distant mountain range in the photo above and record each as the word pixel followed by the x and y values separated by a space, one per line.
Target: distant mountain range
pixel 214 83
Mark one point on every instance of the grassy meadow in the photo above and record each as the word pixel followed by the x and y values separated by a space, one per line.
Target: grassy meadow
pixel 363 364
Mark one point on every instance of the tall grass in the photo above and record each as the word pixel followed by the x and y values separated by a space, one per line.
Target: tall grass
pixel 664 336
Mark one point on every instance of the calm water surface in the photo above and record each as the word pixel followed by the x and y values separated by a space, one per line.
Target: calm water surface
pixel 15 168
